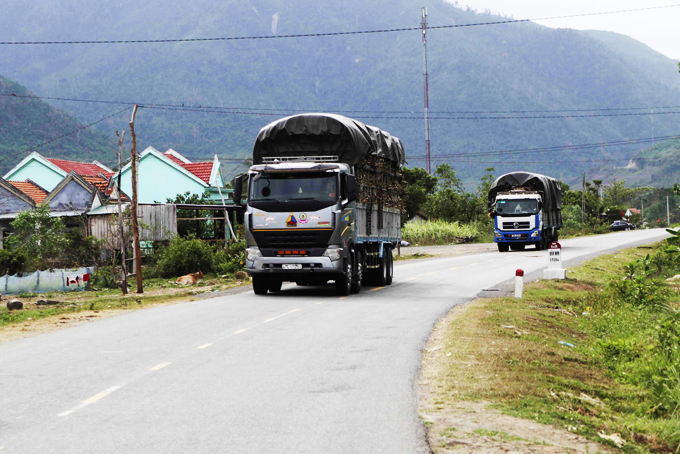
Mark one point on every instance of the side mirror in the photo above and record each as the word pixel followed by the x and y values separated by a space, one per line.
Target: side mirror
pixel 238 188
pixel 351 188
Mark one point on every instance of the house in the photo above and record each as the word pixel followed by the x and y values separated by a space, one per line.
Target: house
pixel 163 176
pixel 74 196
pixel 14 200
pixel 49 172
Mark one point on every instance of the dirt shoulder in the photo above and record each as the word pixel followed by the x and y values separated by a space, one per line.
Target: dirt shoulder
pixel 71 309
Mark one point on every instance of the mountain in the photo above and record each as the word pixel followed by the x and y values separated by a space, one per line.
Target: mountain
pixel 497 68
pixel 657 166
pixel 28 123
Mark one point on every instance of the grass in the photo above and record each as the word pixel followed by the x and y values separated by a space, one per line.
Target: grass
pixel 438 233
pixel 417 255
pixel 506 351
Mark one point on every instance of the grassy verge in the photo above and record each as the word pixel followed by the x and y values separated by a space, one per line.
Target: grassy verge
pixel 431 233
pixel 156 291
pixel 596 355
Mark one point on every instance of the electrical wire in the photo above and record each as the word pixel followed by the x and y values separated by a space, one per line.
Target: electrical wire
pixel 35 147
pixel 314 35
pixel 257 110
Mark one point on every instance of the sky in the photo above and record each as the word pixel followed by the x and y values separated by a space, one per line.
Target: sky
pixel 659 29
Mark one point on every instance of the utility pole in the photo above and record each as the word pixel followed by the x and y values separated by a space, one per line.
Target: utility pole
pixel 426 86
pixel 668 212
pixel 123 269
pixel 135 221
pixel 583 199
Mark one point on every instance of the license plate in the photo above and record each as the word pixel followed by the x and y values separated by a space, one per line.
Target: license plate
pixel 516 235
pixel 291 266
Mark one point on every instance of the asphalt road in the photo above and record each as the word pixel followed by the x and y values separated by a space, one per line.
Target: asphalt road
pixel 302 371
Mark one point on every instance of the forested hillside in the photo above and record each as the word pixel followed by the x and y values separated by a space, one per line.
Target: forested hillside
pixel 496 68
pixel 28 123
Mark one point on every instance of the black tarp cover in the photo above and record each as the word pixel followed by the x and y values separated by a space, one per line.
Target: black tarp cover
pixel 547 186
pixel 322 134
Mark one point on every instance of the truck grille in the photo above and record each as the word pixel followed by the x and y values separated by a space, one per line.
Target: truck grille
pixel 292 238
pixel 522 225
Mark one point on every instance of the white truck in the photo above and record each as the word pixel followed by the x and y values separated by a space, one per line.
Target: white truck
pixel 322 204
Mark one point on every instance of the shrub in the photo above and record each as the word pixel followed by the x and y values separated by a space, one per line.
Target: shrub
pixel 12 262
pixel 231 261
pixel 184 256
pixel 81 250
pixel 438 232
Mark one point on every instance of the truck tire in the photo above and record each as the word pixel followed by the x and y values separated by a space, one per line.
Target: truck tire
pixel 343 284
pixel 260 284
pixel 359 273
pixel 274 285
pixel 389 266
pixel 503 247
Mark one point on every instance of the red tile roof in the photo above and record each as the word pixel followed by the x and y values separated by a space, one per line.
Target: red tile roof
pixel 98 182
pixel 201 169
pixel 81 168
pixel 36 193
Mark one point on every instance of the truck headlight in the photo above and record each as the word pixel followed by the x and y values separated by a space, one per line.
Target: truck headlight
pixel 333 253
pixel 252 253
pixel 534 234
pixel 497 234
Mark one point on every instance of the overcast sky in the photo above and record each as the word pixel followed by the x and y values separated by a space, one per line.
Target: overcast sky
pixel 659 29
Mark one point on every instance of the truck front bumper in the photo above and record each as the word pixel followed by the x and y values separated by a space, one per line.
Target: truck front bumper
pixel 307 266
pixel 527 236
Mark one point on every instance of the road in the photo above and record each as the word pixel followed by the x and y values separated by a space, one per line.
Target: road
pixel 302 371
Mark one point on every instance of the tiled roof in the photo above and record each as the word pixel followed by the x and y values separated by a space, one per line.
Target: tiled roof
pixel 36 193
pixel 98 182
pixel 81 168
pixel 202 170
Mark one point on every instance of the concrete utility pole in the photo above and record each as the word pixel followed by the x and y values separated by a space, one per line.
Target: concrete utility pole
pixel 123 268
pixel 135 221
pixel 426 86
pixel 668 212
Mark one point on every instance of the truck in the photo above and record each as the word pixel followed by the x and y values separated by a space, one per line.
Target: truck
pixel 323 203
pixel 527 210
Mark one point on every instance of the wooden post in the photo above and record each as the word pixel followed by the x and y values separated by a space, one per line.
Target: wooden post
pixel 135 221
pixel 121 231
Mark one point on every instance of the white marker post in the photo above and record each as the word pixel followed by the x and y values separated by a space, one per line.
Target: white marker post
pixel 555 270
pixel 519 283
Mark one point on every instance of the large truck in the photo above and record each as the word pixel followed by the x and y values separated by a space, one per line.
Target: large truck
pixel 527 210
pixel 323 204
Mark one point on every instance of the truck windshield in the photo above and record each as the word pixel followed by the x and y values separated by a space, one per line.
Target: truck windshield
pixel 292 187
pixel 515 207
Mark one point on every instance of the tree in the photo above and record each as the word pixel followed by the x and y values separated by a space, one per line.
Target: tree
pixel 200 229
pixel 447 179
pixel 40 236
pixel 417 185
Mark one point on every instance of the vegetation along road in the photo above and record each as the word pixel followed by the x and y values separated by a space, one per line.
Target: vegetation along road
pixel 301 371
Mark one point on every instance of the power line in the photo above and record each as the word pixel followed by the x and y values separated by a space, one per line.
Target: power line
pixel 315 35
pixel 283 111
pixel 35 147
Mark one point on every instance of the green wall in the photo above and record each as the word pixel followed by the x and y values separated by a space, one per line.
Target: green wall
pixel 158 181
pixel 39 173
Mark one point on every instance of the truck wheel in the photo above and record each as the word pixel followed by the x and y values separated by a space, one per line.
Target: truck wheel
pixel 260 284
pixel 389 266
pixel 503 247
pixel 343 284
pixel 274 285
pixel 359 275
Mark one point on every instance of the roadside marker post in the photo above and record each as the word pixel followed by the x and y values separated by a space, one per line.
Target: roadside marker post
pixel 555 270
pixel 519 283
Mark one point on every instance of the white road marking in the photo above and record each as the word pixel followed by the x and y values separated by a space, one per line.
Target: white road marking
pixel 295 310
pixel 94 399
pixel 204 346
pixel 240 331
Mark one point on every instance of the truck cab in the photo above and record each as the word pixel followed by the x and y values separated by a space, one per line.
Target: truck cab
pixel 518 219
